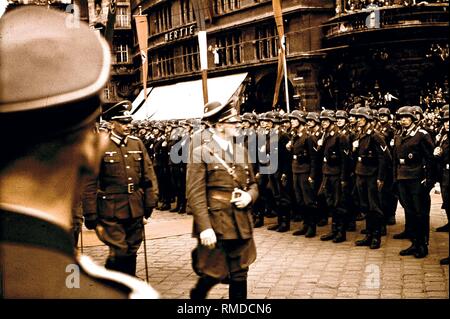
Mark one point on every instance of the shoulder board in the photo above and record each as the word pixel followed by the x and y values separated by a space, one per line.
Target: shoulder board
pixel 423 131
pixel 138 288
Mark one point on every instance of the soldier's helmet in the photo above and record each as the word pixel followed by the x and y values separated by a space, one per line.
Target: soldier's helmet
pixel 375 114
pixel 327 115
pixel 285 118
pixel 216 112
pixel 384 111
pixel 445 116
pixel 444 108
pixel 296 114
pixel 248 117
pixel 341 114
pixel 406 111
pixel 417 110
pixel 46 77
pixel 314 116
pixel 273 117
pixel 364 112
pixel 353 112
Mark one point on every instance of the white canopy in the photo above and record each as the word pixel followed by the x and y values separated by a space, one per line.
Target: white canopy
pixel 185 99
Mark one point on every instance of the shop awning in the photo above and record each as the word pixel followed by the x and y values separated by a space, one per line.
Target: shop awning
pixel 185 99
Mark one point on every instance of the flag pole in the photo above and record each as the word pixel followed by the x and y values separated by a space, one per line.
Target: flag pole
pixel 286 87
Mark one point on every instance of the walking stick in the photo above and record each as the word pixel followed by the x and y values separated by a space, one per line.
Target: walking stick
pixel 81 238
pixel 145 254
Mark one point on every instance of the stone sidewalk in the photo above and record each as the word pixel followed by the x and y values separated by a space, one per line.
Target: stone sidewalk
pixel 298 267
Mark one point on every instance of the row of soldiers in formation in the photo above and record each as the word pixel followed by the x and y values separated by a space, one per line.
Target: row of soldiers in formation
pixel 348 165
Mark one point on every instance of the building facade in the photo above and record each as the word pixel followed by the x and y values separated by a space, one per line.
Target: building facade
pixel 388 53
pixel 241 37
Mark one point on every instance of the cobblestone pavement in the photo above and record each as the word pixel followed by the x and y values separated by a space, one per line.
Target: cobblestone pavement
pixel 298 267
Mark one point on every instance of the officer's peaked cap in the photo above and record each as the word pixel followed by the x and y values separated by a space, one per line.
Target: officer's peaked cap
pixel 119 112
pixel 217 112
pixel 50 63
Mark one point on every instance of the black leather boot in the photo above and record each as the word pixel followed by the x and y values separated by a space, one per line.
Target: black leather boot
pixel 383 230
pixel 131 265
pixel 341 235
pixel 238 290
pixel 259 221
pixel 444 261
pixel 411 250
pixel 366 241
pixel 421 251
pixel 203 286
pixel 301 231
pixel 311 231
pixel 376 240
pixel 331 234
pixel 351 226
pixel 284 227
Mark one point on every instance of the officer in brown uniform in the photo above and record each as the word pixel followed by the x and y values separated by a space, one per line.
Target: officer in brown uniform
pixel 124 192
pixel 51 77
pixel 220 190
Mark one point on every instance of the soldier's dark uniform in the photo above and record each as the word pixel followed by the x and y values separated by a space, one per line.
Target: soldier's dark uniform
pixel 389 198
pixel 209 191
pixel 414 175
pixel 179 151
pixel 161 164
pixel 335 154
pixel 119 197
pixel 305 171
pixel 372 158
pixel 55 93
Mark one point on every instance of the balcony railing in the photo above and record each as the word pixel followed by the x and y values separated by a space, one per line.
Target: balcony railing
pixel 387 18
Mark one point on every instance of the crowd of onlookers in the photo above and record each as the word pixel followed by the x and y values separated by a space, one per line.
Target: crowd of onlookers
pixel 355 5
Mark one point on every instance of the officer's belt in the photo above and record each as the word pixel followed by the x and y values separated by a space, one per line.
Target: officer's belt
pixel 118 189
pixel 408 161
pixel 220 195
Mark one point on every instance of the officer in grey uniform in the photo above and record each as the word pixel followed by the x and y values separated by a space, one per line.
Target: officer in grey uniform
pixel 221 188
pixel 51 77
pixel 125 191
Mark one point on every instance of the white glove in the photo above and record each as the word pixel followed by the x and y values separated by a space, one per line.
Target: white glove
pixel 208 238
pixel 240 198
pixel 437 151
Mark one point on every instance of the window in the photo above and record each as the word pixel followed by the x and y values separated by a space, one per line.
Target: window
pixel 187 12
pixel 163 18
pixel 109 92
pixel 191 58
pixel 230 50
pixel 165 65
pixel 122 17
pixel 224 6
pixel 121 53
pixel 266 42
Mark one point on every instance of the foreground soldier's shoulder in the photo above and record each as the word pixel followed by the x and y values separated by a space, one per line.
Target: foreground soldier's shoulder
pixel 135 288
